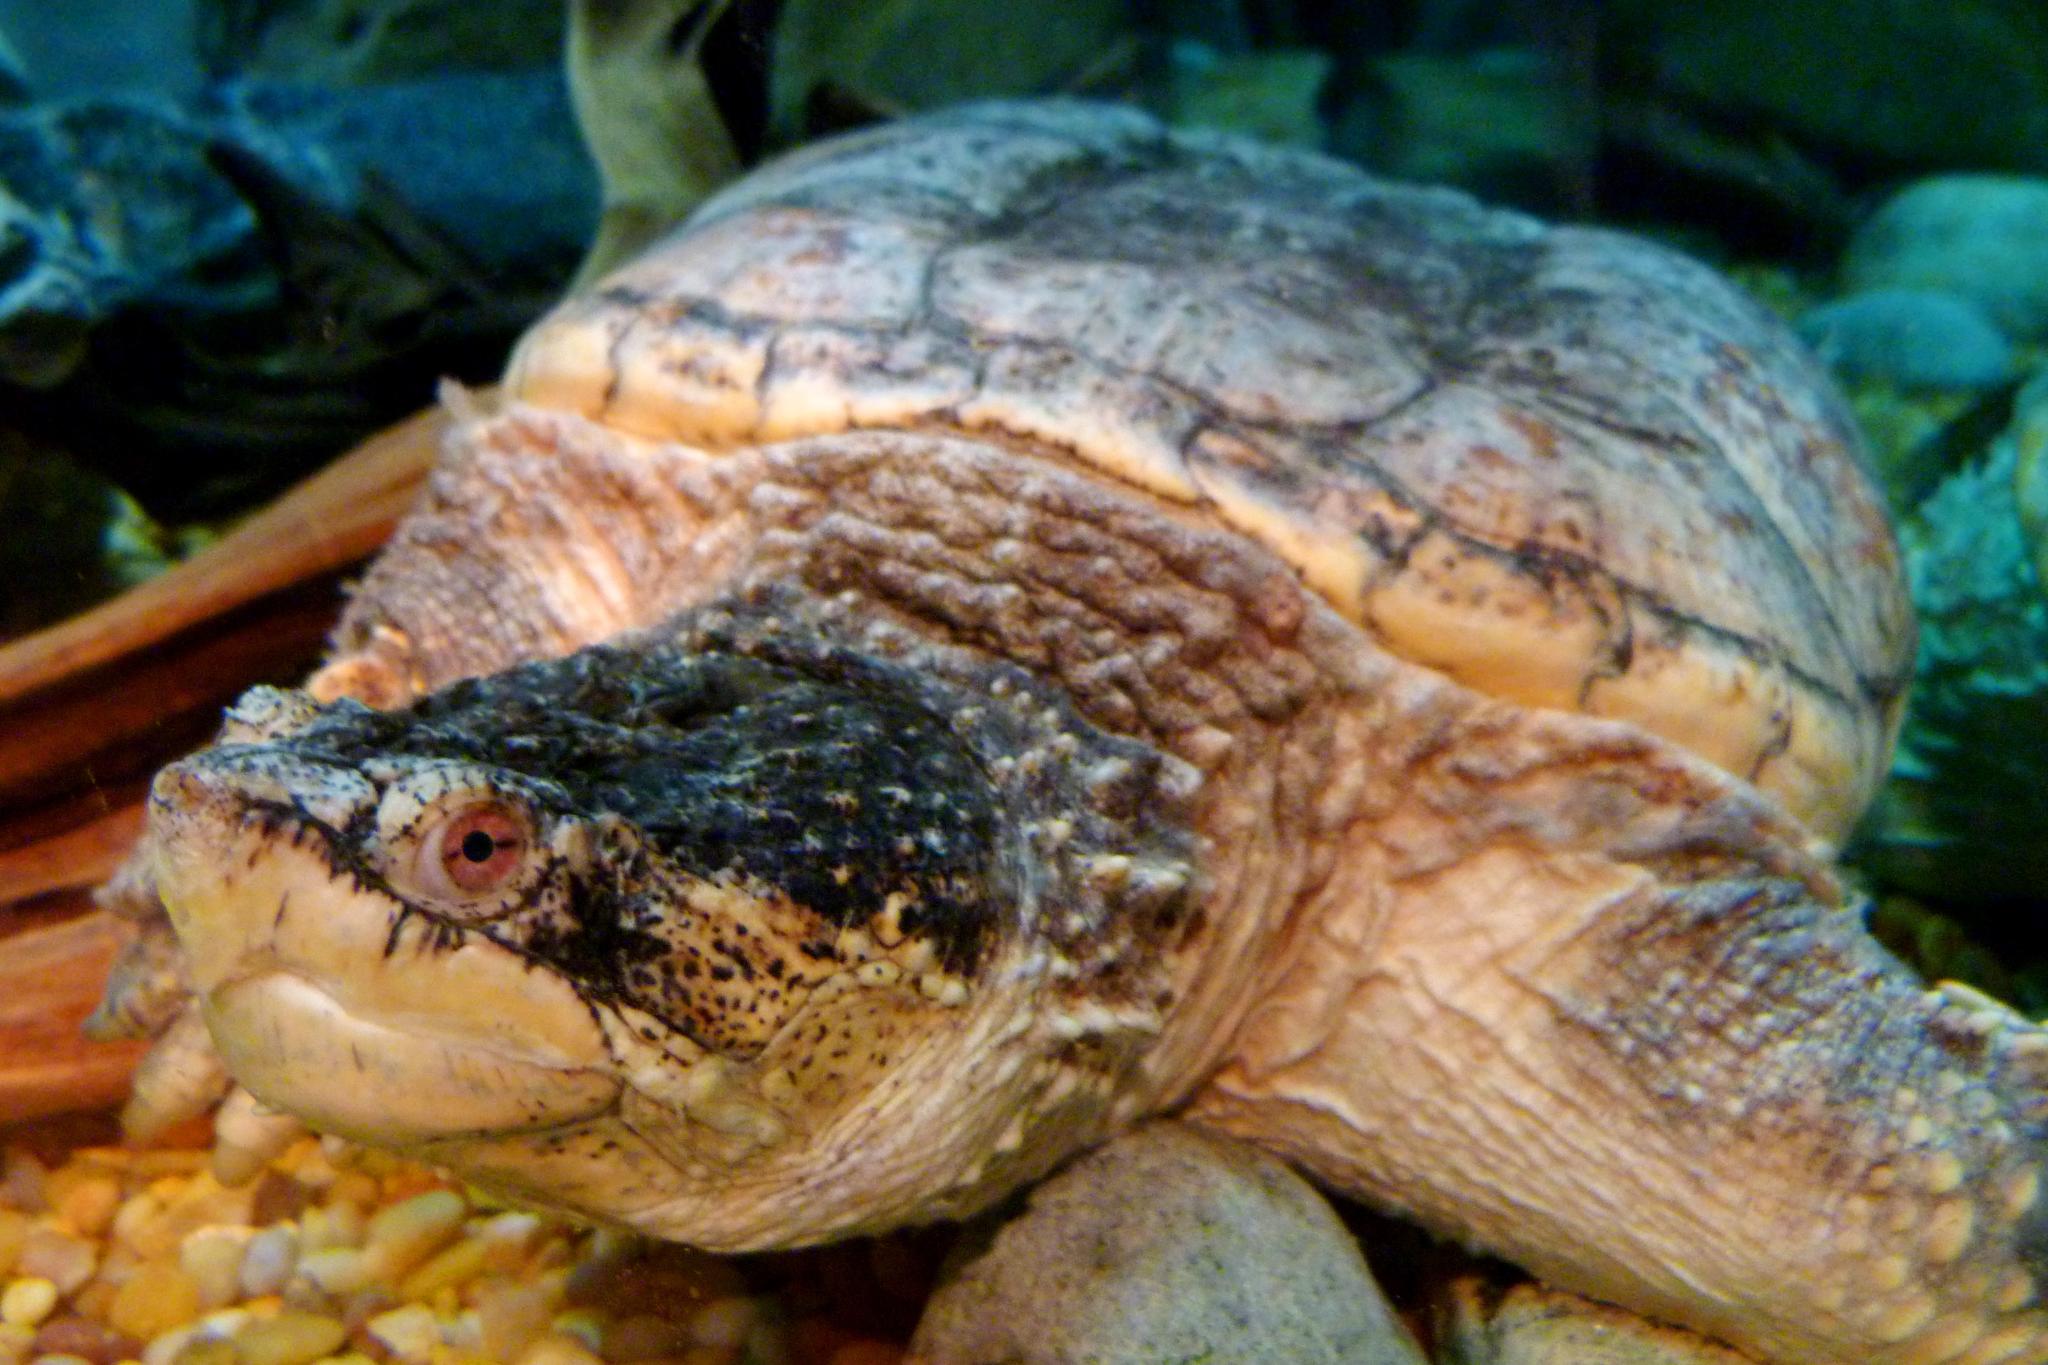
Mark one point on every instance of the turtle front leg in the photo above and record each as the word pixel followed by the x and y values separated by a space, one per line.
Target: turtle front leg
pixel 1599 1013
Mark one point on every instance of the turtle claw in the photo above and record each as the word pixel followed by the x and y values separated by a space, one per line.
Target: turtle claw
pixel 247 1134
pixel 182 1078
pixel 1954 1251
pixel 145 990
pixel 179 1079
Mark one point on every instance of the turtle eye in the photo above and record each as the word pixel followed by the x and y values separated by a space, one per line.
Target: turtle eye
pixel 474 850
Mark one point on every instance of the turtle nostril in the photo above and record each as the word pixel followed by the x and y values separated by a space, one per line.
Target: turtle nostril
pixel 229 777
pixel 267 713
pixel 177 786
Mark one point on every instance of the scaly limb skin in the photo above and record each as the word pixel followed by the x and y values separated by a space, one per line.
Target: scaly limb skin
pixel 1621 1031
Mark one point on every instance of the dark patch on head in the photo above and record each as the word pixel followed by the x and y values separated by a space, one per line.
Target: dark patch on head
pixel 833 785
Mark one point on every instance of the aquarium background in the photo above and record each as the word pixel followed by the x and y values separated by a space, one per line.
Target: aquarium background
pixel 237 237
pixel 240 238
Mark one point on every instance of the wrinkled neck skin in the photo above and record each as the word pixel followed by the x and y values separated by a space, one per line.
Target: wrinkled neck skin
pixel 1542 982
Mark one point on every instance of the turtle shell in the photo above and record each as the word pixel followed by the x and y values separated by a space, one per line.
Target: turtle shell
pixel 1561 465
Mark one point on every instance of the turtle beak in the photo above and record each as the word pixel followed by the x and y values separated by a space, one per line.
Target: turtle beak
pixel 320 1003
pixel 214 817
pixel 243 778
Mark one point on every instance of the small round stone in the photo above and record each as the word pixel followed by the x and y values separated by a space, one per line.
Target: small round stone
pixel 447 1268
pixel 410 1331
pixel 268 1262
pixel 557 1348
pixel 400 1237
pixel 2001 1345
pixel 51 1254
pixel 1912 338
pixel 335 1271
pixel 1942 1174
pixel 212 1256
pixel 1889 1273
pixel 724 1322
pixel 14 1226
pixel 155 1299
pixel 27 1301
pixel 1972 235
pixel 85 1203
pixel 1944 1341
pixel 2015 1291
pixel 290 1338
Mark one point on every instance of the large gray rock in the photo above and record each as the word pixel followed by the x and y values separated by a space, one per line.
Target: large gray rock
pixel 1981 237
pixel 120 201
pixel 204 297
pixel 1910 338
pixel 490 160
pixel 1530 1325
pixel 104 203
pixel 84 48
pixel 1169 1245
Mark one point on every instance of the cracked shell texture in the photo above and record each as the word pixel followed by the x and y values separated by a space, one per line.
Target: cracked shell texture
pixel 1563 466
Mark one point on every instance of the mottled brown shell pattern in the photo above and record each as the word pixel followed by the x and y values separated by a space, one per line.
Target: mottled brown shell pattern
pixel 1561 465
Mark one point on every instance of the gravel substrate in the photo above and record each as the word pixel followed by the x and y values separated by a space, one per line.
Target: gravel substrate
pixel 112 1254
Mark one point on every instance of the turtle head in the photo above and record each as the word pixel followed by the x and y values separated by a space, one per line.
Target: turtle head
pixel 742 951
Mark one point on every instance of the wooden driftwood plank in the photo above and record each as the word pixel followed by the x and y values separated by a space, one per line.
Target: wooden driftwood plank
pixel 79 855
pixel 52 966
pixel 129 714
pixel 333 519
pixel 92 706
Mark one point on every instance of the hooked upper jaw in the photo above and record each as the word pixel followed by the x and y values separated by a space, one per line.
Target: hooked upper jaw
pixel 312 987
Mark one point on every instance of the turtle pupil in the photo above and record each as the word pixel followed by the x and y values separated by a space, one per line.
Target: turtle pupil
pixel 478 846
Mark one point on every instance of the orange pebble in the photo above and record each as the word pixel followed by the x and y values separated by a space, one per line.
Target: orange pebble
pixel 72 1335
pixel 195 1133
pixel 408 1181
pixel 154 1300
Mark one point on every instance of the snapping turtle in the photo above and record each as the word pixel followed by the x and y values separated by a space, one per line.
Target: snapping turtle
pixel 1020 620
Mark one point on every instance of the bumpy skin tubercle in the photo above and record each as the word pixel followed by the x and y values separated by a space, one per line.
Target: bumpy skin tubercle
pixel 1587 1006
